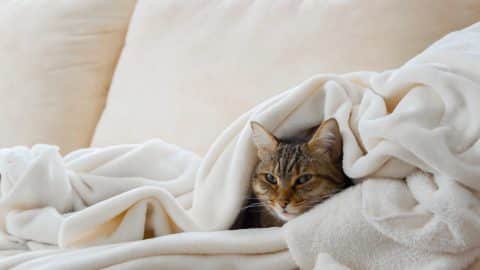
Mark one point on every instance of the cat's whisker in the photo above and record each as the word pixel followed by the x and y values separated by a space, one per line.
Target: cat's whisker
pixel 258 210
pixel 253 205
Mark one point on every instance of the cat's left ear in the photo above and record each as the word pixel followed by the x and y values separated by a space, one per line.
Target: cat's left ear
pixel 327 140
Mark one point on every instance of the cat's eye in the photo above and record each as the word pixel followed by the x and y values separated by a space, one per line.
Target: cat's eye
pixel 303 179
pixel 270 179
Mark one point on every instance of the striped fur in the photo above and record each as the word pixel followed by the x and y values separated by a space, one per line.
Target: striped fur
pixel 317 159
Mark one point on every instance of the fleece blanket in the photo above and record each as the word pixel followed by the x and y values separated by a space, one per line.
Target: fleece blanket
pixel 411 143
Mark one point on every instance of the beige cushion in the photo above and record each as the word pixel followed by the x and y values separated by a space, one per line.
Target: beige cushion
pixel 191 67
pixel 56 62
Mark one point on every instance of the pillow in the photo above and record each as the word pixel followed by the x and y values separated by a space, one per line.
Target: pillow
pixel 57 61
pixel 191 67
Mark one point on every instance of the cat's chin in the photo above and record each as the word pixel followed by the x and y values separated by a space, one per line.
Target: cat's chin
pixel 284 216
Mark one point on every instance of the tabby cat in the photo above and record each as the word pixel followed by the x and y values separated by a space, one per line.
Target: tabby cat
pixel 293 175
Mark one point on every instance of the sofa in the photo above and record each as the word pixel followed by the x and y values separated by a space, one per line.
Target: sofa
pixel 90 73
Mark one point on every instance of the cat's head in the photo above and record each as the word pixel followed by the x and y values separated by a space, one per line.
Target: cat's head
pixel 292 177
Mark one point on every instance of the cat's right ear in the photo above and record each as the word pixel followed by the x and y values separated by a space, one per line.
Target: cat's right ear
pixel 265 141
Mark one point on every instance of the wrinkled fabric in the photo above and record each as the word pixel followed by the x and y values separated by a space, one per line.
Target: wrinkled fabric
pixel 410 142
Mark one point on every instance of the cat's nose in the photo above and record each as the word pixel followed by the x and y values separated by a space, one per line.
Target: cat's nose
pixel 283 204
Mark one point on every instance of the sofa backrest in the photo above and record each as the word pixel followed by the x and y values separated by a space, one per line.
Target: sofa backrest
pixel 56 63
pixel 191 67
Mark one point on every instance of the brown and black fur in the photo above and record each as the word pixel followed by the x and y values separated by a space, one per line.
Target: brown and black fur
pixel 306 171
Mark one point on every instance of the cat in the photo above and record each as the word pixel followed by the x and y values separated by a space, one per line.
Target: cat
pixel 293 175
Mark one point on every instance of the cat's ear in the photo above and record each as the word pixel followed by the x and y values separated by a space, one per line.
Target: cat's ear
pixel 327 140
pixel 265 141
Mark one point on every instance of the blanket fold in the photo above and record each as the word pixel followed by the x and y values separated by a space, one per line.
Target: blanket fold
pixel 411 143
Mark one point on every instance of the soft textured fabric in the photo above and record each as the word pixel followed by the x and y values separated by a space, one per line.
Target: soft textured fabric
pixel 347 241
pixel 189 68
pixel 56 63
pixel 410 140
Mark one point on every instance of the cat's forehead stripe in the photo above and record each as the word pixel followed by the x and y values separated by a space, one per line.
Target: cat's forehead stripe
pixel 289 157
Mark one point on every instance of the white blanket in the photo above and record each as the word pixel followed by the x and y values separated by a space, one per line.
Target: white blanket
pixel 411 141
